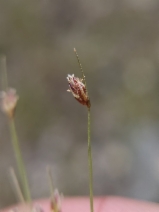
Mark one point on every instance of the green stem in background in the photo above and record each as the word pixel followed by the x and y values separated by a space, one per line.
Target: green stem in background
pixel 90 167
pixel 17 186
pixel 54 200
pixel 50 178
pixel 19 160
pixel 15 142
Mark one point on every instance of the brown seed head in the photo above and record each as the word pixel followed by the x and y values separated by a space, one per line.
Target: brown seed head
pixel 78 90
pixel 8 101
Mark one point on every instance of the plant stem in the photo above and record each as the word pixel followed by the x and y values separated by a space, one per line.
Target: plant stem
pixel 90 167
pixel 17 186
pixel 15 143
pixel 50 178
pixel 90 163
pixel 19 160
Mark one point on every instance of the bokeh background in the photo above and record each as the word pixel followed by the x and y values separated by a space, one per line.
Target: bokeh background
pixel 118 44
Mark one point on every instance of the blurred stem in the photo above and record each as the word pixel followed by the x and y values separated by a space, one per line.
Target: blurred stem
pixel 54 207
pixel 90 167
pixel 50 178
pixel 17 186
pixel 19 160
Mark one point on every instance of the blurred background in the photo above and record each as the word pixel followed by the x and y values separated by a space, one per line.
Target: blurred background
pixel 118 44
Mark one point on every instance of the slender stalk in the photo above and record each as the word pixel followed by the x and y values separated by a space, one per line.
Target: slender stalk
pixel 90 167
pixel 19 160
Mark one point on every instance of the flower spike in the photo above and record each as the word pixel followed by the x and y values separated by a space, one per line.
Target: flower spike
pixel 78 90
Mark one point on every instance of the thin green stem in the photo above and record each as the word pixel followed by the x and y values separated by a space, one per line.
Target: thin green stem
pixel 90 167
pixel 19 160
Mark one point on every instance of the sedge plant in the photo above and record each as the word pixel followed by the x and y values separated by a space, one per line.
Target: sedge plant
pixel 8 103
pixel 78 88
pixel 56 197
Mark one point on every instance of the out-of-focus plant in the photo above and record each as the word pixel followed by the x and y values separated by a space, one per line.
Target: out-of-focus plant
pixel 56 197
pixel 8 103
